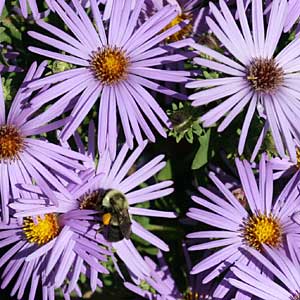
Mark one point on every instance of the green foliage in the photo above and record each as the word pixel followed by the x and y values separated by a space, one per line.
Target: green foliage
pixel 185 120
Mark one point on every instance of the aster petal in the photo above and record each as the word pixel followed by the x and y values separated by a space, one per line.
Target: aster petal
pixel 59 45
pixel 62 57
pixel 132 22
pixel 73 22
pixel 87 25
pixel 98 20
pixel 246 123
pixel 148 236
pixel 139 116
pixel 258 28
pixel 151 212
pixel 83 106
pixel 220 110
pixel 2 104
pixel 273 121
pixel 149 193
pixel 142 174
pixel 4 188
pixel 215 244
pixel 215 258
pixel 275 26
pixel 63 35
pixel 60 88
pixel 234 112
pixel 220 57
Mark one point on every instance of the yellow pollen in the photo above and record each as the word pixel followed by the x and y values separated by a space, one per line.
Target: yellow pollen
pixel 190 295
pixel 261 229
pixel 298 158
pixel 110 65
pixel 11 142
pixel 184 32
pixel 106 218
pixel 42 230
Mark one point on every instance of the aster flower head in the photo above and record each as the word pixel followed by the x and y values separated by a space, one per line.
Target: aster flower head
pixel 116 64
pixel 24 158
pixel 160 285
pixel 286 271
pixel 50 252
pixel 264 220
pixel 189 10
pixel 98 182
pixel 254 75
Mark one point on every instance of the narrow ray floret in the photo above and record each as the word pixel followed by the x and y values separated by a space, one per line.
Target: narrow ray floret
pixel 286 286
pixel 118 65
pixel 28 159
pixel 48 251
pixel 110 195
pixel 267 222
pixel 254 76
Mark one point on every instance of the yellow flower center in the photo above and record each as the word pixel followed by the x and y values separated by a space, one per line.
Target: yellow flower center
pixel 192 295
pixel 262 229
pixel 11 142
pixel 184 32
pixel 41 230
pixel 298 158
pixel 110 65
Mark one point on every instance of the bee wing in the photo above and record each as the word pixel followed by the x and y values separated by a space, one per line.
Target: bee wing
pixel 124 223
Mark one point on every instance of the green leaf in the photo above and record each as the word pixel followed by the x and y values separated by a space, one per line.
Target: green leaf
pixel 201 156
pixel 165 173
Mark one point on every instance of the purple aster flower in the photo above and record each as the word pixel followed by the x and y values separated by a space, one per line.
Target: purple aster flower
pixel 97 183
pixel 25 5
pixel 187 10
pixel 24 158
pixel 268 221
pixel 51 251
pixel 116 65
pixel 192 10
pixel 256 77
pixel 160 285
pixel 286 271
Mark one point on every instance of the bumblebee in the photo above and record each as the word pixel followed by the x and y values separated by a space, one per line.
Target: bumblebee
pixel 116 219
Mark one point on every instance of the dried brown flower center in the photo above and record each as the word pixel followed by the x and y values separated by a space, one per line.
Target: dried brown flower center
pixel 110 65
pixel 262 229
pixel 186 31
pixel 90 200
pixel 41 230
pixel 265 75
pixel 11 142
